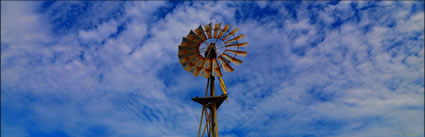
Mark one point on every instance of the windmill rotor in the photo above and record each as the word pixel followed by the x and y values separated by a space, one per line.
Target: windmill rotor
pixel 222 44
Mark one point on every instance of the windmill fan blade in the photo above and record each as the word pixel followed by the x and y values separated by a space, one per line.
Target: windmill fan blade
pixel 196 71
pixel 184 60
pixel 206 73
pixel 189 43
pixel 226 28
pixel 185 51
pixel 232 59
pixel 214 63
pixel 224 64
pixel 188 66
pixel 186 57
pixel 192 66
pixel 227 68
pixel 207 64
pixel 240 53
pixel 208 29
pixel 217 72
pixel 216 68
pixel 236 38
pixel 238 45
pixel 201 33
pixel 222 60
pixel 234 31
pixel 200 62
pixel 230 33
pixel 216 29
pixel 194 37
pixel 187 48
pixel 199 65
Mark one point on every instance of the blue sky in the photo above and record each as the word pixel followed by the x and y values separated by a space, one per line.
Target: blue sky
pixel 314 69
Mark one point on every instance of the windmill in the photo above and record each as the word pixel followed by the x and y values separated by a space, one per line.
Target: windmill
pixel 198 54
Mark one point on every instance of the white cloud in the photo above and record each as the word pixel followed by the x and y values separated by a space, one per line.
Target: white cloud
pixel 100 33
pixel 348 75
pixel 414 24
pixel 28 23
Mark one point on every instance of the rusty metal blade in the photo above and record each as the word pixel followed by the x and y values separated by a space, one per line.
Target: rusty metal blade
pixel 184 53
pixel 226 28
pixel 189 43
pixel 230 33
pixel 240 53
pixel 216 68
pixel 214 63
pixel 217 72
pixel 232 59
pixel 208 29
pixel 182 56
pixel 193 58
pixel 201 33
pixel 227 68
pixel 200 62
pixel 188 66
pixel 220 34
pixel 206 73
pixel 207 64
pixel 184 60
pixel 187 52
pixel 186 48
pixel 234 31
pixel 222 60
pixel 216 29
pixel 224 63
pixel 196 71
pixel 194 37
pixel 238 45
pixel 236 38
pixel 192 69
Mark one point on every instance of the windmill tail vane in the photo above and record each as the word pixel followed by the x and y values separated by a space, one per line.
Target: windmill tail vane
pixel 200 53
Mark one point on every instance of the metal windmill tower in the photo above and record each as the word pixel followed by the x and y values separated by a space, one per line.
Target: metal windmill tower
pixel 198 54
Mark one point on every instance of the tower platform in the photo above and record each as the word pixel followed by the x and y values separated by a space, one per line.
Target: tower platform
pixel 206 101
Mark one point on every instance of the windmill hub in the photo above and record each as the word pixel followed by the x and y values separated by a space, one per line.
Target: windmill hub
pixel 211 50
pixel 217 44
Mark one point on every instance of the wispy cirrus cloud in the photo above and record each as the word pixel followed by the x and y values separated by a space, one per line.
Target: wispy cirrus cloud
pixel 313 69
